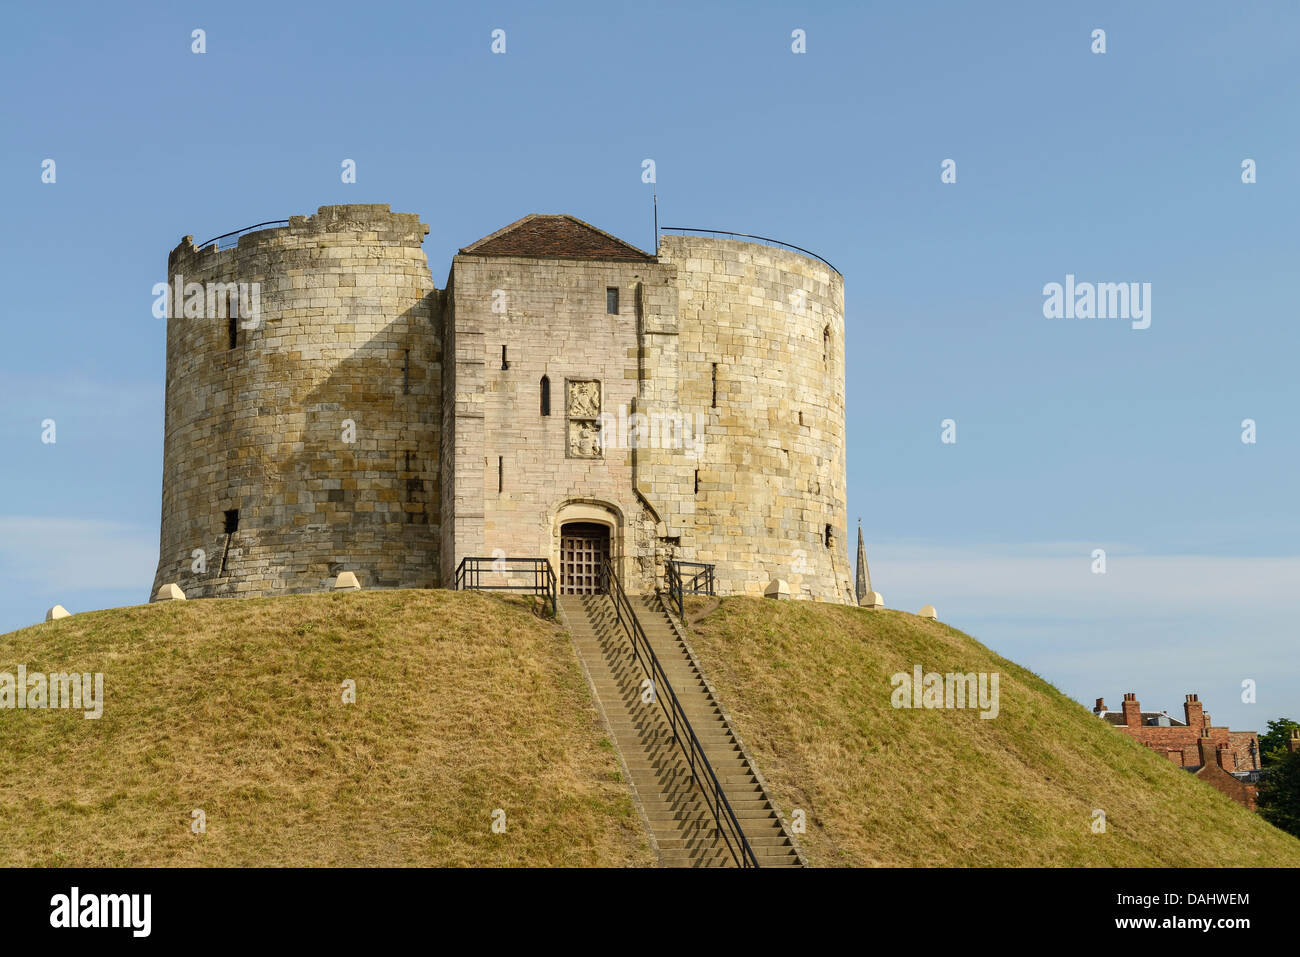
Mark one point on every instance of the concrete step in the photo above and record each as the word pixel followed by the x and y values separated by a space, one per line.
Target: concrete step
pixel 738 788
pixel 724 770
pixel 721 858
pixel 632 689
pixel 741 787
pixel 686 822
pixel 674 802
pixel 669 777
pixel 774 845
pixel 658 729
pixel 726 755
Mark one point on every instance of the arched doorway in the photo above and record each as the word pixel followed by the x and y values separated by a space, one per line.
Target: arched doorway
pixel 584 546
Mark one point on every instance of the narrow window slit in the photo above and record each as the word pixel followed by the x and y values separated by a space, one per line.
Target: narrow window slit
pixel 232 324
pixel 231 527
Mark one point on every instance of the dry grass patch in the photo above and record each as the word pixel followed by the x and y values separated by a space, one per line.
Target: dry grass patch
pixel 465 703
pixel 808 686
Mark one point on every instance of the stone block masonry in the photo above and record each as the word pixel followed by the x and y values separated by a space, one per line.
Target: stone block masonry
pixel 369 422
pixel 760 353
pixel 261 472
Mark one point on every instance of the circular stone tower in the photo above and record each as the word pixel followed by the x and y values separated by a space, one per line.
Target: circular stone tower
pixel 302 431
pixel 761 365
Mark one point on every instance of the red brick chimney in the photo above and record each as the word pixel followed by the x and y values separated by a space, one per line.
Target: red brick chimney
pixel 1132 710
pixel 1101 706
pixel 1193 711
pixel 1293 744
pixel 1208 756
pixel 1226 758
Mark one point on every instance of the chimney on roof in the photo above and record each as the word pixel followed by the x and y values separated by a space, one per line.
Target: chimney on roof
pixel 1208 755
pixel 1227 758
pixel 1193 711
pixel 1293 743
pixel 1101 706
pixel 1132 710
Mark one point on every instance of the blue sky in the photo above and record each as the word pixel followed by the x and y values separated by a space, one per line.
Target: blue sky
pixel 1071 434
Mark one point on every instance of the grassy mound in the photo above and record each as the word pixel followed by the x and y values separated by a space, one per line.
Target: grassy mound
pixel 808 687
pixel 464 704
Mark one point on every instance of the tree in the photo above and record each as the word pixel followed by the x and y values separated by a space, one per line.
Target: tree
pixel 1272 743
pixel 1279 794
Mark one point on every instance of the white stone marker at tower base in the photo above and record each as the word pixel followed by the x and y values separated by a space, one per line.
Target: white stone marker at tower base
pixel 170 592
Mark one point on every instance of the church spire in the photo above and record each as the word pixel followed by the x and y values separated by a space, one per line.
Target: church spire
pixel 863 585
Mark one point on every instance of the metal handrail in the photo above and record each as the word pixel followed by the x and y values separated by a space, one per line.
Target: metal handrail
pixel 701 583
pixel 766 239
pixel 701 770
pixel 469 576
pixel 240 232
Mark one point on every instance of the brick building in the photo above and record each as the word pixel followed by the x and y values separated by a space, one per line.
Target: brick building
pixel 1226 760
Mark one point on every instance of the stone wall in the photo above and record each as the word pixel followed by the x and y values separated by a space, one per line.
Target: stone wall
pixel 515 474
pixel 703 420
pixel 348 331
pixel 760 355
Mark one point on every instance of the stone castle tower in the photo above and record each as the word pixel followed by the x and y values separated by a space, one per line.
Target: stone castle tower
pixel 565 396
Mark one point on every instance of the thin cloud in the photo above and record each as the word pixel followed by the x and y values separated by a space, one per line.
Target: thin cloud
pixel 63 554
pixel 1161 625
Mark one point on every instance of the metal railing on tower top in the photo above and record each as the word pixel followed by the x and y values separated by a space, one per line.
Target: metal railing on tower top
pixel 765 239
pixel 232 242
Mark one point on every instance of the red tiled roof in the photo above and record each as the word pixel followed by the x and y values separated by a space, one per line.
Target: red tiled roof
pixel 545 236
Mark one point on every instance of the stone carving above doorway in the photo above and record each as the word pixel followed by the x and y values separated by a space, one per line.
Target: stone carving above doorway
pixel 583 397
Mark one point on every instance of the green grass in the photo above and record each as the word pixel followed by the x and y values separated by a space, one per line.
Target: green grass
pixel 808 688
pixel 464 704
pixel 468 703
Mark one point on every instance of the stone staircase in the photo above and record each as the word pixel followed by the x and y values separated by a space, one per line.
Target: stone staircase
pixel 674 804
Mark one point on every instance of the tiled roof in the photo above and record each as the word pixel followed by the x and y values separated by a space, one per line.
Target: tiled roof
pixel 1117 718
pixel 545 236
